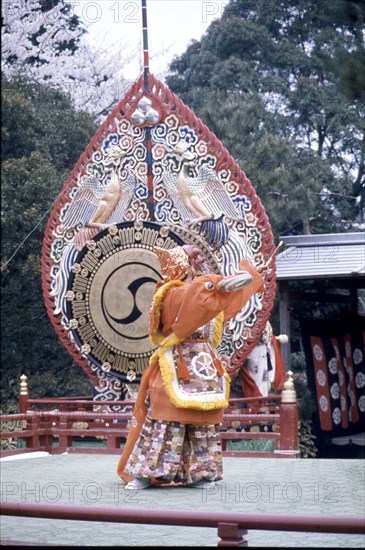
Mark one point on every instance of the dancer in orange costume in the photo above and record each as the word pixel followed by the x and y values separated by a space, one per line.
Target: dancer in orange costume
pixel 174 430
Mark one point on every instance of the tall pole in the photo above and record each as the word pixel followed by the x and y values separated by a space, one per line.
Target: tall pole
pixel 145 44
pixel 146 70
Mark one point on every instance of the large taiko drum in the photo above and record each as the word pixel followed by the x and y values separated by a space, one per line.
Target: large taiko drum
pixel 153 174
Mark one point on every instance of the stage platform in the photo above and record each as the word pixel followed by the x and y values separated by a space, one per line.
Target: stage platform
pixel 318 487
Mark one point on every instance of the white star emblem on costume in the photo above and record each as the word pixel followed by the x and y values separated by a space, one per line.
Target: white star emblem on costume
pixel 203 366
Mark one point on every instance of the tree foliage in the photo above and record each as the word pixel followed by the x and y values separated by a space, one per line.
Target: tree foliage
pixel 42 138
pixel 46 41
pixel 283 89
pixel 34 31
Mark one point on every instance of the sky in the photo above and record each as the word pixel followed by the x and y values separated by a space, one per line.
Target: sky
pixel 172 24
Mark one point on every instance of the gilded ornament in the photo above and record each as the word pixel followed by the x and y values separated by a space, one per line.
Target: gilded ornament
pixel 80 425
pixel 254 429
pixel 138 225
pixel 85 349
pixel 164 231
pixel 106 367
pixel 23 385
pixel 91 245
pixel 76 268
pixel 131 375
pixel 112 229
pixel 152 116
pixel 70 295
pixel 138 117
pixel 144 104
pixel 73 324
pixel 288 395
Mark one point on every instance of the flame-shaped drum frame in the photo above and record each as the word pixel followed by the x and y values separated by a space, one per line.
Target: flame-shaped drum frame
pixel 143 135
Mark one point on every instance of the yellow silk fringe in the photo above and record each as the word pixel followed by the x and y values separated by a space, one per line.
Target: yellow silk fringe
pixel 157 337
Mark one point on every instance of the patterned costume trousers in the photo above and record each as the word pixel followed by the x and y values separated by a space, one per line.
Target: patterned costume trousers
pixel 171 451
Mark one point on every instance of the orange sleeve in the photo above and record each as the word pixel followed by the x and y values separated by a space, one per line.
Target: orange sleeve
pixel 189 307
pixel 193 305
pixel 235 301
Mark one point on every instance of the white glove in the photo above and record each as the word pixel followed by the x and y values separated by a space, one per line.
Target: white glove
pixel 232 283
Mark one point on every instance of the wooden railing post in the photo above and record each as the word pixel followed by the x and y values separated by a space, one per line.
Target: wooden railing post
pixel 231 535
pixel 33 426
pixel 65 440
pixel 46 439
pixel 112 440
pixel 23 394
pixel 289 419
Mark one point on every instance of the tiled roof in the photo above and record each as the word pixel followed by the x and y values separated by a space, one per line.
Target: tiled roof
pixel 333 255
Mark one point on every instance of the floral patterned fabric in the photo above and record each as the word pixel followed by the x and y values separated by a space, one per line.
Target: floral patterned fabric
pixel 171 451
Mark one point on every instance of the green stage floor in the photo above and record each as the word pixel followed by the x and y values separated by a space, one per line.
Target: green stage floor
pixel 253 485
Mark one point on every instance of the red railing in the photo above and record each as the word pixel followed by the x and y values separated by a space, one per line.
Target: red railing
pixel 231 526
pixel 57 425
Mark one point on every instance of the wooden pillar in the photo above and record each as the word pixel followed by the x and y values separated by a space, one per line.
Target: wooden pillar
pixel 289 419
pixel 112 440
pixel 23 394
pixel 32 442
pixel 46 439
pixel 284 313
pixel 65 440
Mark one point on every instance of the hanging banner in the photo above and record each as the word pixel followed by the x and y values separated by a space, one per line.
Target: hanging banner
pixel 335 359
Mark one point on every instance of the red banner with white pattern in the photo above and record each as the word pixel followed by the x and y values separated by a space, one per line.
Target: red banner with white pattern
pixel 335 361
